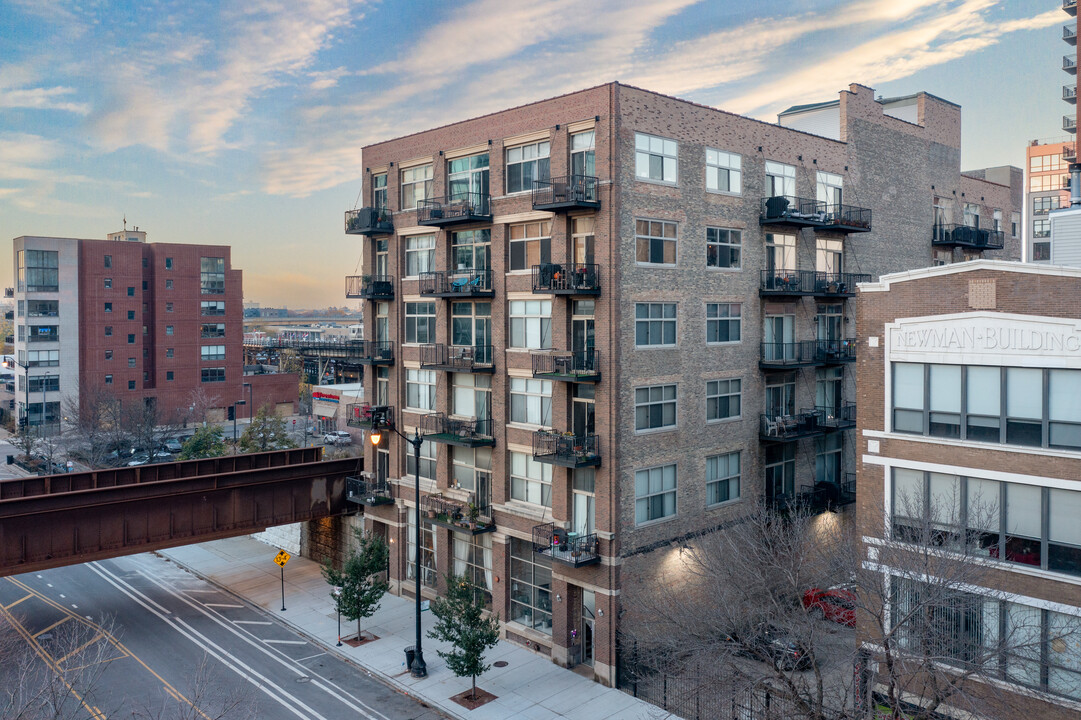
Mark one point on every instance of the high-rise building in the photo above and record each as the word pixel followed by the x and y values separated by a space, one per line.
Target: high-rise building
pixel 617 316
pixel 1047 188
pixel 148 323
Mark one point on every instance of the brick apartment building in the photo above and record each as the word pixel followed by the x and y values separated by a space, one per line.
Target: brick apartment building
pixel 146 322
pixel 616 316
pixel 969 378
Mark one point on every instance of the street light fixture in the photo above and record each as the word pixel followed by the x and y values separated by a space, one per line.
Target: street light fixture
pixel 418 668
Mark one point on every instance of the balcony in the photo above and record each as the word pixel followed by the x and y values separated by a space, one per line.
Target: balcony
pixel 1069 94
pixel 782 356
pixel 966 236
pixel 1070 6
pixel 462 432
pixel 835 352
pixel 475 359
pixel 786 282
pixel 377 352
pixel 822 496
pixel 1069 64
pixel 462 284
pixel 43 334
pixel 579 366
pixel 457 209
pixel 569 279
pixel 9 292
pixel 362 415
pixel 793 212
pixel 1069 123
pixel 1069 34
pixel 848 219
pixel 369 287
pixel 780 427
pixel 1069 153
pixel 566 450
pixel 458 515
pixel 368 221
pixel 840 285
pixel 566 548
pixel 570 192
pixel 839 418
pixel 9 315
pixel 368 491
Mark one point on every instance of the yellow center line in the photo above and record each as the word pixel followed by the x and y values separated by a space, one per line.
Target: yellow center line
pixel 8 607
pixel 58 622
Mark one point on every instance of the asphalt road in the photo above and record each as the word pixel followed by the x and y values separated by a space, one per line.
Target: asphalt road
pixel 178 647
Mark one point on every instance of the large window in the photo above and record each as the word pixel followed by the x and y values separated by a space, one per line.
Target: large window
pixel 530 244
pixel 828 188
pixel 473 563
pixel 655 324
pixel 212 307
pixel 1044 205
pixel 656 158
pixel 39 270
pixel 722 171
pixel 379 190
pixel 467 175
pixel 471 395
pixel 420 389
pixel 780 179
pixel 723 248
pixel 471 250
pixel 655 242
pixel 427 460
pixel 525 164
pixel 419 254
pixel 723 399
pixel 212 330
pixel 780 253
pixel 531 401
pixel 209 375
pixel 722 478
pixel 471 326
pixel 1041 228
pixel 1018 406
pixel 530 481
pixel 723 321
pixel 531 324
pixel 212 352
pixel 530 587
pixel 654 493
pixel 211 276
pixel 471 469
pixel 428 574
pixel 44 383
pixel 416 185
pixel 583 160
pixel 43 358
pixel 420 322
pixel 1041 251
pixel 655 407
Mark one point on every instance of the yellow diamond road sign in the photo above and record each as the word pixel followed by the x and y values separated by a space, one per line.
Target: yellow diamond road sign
pixel 282 557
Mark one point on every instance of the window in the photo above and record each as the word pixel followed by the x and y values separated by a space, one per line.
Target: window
pixel 531 401
pixel 213 375
pixel 212 330
pixel 722 171
pixel 144 284
pixel 416 185
pixel 466 176
pixel 43 358
pixel 471 250
pixel 131 291
pixel 780 254
pixel 1041 228
pixel 168 263
pixel 168 284
pixel 531 324
pixel 1041 252
pixel 583 161
pixel 828 187
pixel 1047 163
pixel 168 329
pixel 723 248
pixel 654 407
pixel 169 352
pixel 108 331
pixel 471 326
pixel 212 352
pixel 168 307
pixel 45 383
pixel 471 469
pixel 471 396
pixel 723 321
pixel 530 587
pixel 828 458
pixel 419 254
pixel 1044 205
pixel 996 217
pixel 146 264
pixel 530 481
pixel 379 190
pixel 473 563
pixel 972 214
pixel 655 324
pixel 722 478
pixel 427 550
pixel 108 354
pixel 131 362
pixel 723 399
pixel 780 179
pixel 108 379
pixel 420 322
pixel 656 158
pixel 108 261
pixel 131 384
pixel 39 270
pixel 530 244
pixel 780 470
pixel 1015 223
pixel 212 307
pixel 108 283
pixel 108 307
pixel 829 257
pixel 212 275
pixel 169 375
pixel 525 164
pixel 654 494
pixel 655 242
pixel 427 460
pixel 420 389
pixel 131 314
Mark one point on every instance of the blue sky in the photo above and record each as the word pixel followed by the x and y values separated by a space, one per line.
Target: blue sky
pixel 242 121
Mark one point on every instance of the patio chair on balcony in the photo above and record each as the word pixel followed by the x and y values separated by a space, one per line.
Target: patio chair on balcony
pixel 463 355
pixel 772 427
pixel 463 283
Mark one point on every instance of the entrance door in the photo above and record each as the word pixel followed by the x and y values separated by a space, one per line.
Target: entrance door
pixel 589 610
pixel 780 332
pixel 582 410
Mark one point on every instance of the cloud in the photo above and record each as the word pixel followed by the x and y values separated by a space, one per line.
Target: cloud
pixel 42 99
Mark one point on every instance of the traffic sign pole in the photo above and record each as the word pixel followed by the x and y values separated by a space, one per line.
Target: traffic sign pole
pixel 281 558
pixel 283 587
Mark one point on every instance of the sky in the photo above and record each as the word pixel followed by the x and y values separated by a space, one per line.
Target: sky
pixel 242 121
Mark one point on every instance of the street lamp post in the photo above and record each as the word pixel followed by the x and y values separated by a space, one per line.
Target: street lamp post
pixel 238 402
pixel 337 593
pixel 251 402
pixel 418 669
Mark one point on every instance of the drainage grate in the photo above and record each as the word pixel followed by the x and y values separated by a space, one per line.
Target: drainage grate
pixel 501 663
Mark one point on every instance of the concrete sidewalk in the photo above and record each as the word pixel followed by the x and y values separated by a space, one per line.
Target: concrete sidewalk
pixel 528 687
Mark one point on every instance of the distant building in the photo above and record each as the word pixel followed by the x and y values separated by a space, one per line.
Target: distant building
pixel 1047 188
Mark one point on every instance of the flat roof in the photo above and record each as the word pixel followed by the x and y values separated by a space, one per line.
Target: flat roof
pixel 884 282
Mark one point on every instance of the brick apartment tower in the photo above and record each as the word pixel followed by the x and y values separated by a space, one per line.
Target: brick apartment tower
pixel 618 316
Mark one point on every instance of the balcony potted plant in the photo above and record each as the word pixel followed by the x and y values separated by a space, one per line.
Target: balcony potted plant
pixel 473 513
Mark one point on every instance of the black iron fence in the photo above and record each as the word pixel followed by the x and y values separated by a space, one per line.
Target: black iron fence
pixel 979 238
pixel 464 429
pixel 465 358
pixel 802 352
pixel 565 449
pixel 566 364
pixel 455 207
pixel 568 190
pixel 368 221
pixel 370 287
pixel 463 282
pixel 581 278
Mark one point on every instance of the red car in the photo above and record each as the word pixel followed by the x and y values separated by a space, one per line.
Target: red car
pixel 836 604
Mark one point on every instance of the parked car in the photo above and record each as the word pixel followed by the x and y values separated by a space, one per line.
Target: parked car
pixel 836 604
pixel 147 459
pixel 338 437
pixel 774 644
pixel 173 445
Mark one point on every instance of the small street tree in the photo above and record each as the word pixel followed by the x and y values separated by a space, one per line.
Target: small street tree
pixel 266 431
pixel 360 578
pixel 462 624
pixel 205 443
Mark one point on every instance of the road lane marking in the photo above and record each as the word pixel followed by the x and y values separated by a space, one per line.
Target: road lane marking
pixel 58 622
pixel 8 607
pixel 286 642
pixel 252 622
pixel 82 647
pixel 310 657
pixel 223 605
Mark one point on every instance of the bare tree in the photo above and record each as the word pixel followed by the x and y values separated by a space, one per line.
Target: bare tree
pixel 208 697
pixel 201 403
pixel 150 427
pixel 86 414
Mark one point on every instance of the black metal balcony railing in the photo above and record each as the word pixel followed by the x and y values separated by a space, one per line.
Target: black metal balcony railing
pixel 369 287
pixel 567 279
pixel 967 236
pixel 464 283
pixel 830 352
pixel 568 450
pixel 576 366
pixel 368 221
pixel 1069 94
pixel 460 516
pixel 787 282
pixel 819 497
pixel 463 432
pixel 377 352
pixel 362 415
pixel 838 284
pixel 788 427
pixel 455 209
pixel 367 491
pixel 848 218
pixel 837 418
pixel 566 193
pixel 1069 34
pixel 1069 123
pixel 564 547
pixel 36 336
pixel 790 354
pixel 793 211
pixel 453 358
pixel 1069 153
pixel 1069 64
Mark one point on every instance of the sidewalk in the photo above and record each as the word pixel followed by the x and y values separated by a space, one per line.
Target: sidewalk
pixel 529 687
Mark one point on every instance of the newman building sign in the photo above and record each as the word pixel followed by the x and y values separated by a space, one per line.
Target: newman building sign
pixel 986 338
